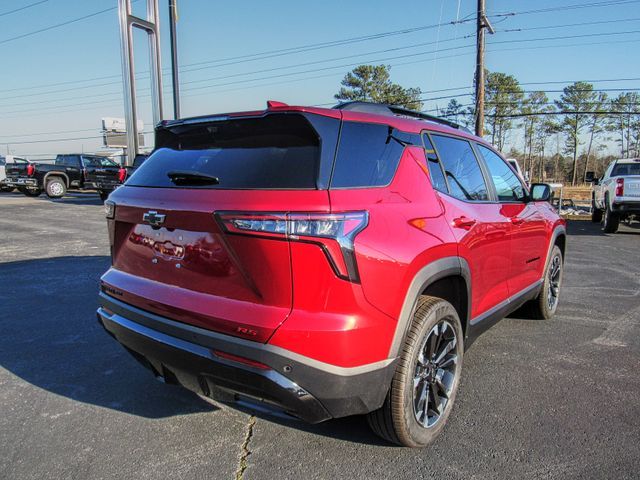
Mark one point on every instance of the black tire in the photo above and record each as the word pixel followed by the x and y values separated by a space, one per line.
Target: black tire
pixel 103 195
pixel 56 188
pixel 596 213
pixel 397 421
pixel 611 219
pixel 6 189
pixel 30 192
pixel 544 306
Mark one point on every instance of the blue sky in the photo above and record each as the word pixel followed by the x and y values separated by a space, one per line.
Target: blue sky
pixel 67 78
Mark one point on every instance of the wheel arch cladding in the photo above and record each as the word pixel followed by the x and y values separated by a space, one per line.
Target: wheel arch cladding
pixel 558 237
pixel 436 278
pixel 62 175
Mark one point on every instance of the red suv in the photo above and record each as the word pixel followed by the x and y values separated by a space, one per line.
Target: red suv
pixel 326 262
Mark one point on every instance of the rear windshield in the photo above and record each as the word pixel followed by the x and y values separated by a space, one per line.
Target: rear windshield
pixel 622 169
pixel 278 151
pixel 98 162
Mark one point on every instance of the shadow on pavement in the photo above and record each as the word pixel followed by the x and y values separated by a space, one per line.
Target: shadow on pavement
pixel 51 339
pixel 587 227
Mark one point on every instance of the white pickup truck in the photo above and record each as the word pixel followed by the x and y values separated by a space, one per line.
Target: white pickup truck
pixel 616 195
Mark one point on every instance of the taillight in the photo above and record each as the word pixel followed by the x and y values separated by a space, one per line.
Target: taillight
pixel 334 233
pixel 122 174
pixel 619 187
pixel 31 169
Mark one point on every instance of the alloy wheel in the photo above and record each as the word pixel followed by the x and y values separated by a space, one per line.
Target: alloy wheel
pixel 555 276
pixel 435 374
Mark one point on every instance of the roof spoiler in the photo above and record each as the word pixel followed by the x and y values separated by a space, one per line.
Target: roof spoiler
pixel 384 109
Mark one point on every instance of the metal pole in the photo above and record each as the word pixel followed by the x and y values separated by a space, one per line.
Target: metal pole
pixel 128 81
pixel 153 16
pixel 480 69
pixel 173 17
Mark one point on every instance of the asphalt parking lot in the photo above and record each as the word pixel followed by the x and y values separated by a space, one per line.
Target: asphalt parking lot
pixel 556 399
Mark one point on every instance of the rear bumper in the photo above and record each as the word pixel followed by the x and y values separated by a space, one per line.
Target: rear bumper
pixel 20 182
pixel 626 206
pixel 184 354
pixel 104 186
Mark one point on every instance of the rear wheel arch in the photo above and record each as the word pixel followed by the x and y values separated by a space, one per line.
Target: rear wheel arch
pixel 62 175
pixel 434 279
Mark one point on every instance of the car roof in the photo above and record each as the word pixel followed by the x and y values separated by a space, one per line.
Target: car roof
pixel 402 119
pixel 627 160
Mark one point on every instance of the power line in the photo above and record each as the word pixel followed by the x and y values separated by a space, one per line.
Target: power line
pixel 47 140
pixel 23 8
pixel 566 7
pixel 546 27
pixel 58 25
pixel 335 67
pixel 262 55
pixel 49 133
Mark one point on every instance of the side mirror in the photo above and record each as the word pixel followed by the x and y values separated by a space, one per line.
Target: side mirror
pixel 540 192
pixel 590 177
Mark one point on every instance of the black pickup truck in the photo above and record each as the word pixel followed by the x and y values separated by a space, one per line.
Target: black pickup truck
pixel 103 180
pixel 68 172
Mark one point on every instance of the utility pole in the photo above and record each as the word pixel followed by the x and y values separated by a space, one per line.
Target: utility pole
pixel 173 18
pixel 482 23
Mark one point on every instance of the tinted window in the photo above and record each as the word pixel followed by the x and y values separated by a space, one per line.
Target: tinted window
pixel 368 154
pixel 461 168
pixel 279 151
pixel 2 162
pixel 68 160
pixel 508 186
pixel 435 170
pixel 621 169
pixel 98 162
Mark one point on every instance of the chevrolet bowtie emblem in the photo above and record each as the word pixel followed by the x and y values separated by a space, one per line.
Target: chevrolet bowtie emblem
pixel 154 218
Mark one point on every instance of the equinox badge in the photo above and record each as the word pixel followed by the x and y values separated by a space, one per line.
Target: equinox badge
pixel 154 218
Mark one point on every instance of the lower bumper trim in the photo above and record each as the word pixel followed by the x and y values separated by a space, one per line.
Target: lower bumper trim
pixel 184 354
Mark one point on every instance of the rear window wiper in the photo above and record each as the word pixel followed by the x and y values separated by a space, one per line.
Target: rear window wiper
pixel 186 177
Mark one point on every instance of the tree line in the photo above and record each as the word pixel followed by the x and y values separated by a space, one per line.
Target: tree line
pixel 561 139
pixel 577 127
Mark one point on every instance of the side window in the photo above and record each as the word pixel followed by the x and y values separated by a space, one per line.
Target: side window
pixel 368 155
pixel 508 185
pixel 433 164
pixel 461 167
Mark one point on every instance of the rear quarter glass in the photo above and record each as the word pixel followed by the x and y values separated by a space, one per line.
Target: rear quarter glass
pixel 276 151
pixel 368 154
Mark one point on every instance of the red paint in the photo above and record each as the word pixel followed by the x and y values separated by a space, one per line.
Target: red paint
pixel 291 291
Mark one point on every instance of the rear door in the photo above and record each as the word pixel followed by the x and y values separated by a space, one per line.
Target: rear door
pixel 197 232
pixel 529 239
pixel 478 222
pixel 72 167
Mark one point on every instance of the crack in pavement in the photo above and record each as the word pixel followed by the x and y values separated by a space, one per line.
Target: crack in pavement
pixel 245 452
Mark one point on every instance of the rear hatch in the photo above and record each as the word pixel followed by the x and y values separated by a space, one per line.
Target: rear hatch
pixel 171 251
pixel 101 171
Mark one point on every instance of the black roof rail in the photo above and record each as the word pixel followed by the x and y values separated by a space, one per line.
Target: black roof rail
pixel 384 109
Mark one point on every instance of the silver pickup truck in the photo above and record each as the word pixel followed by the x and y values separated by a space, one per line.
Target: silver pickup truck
pixel 616 195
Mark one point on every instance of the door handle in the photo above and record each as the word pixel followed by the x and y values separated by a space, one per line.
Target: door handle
pixel 517 220
pixel 464 222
